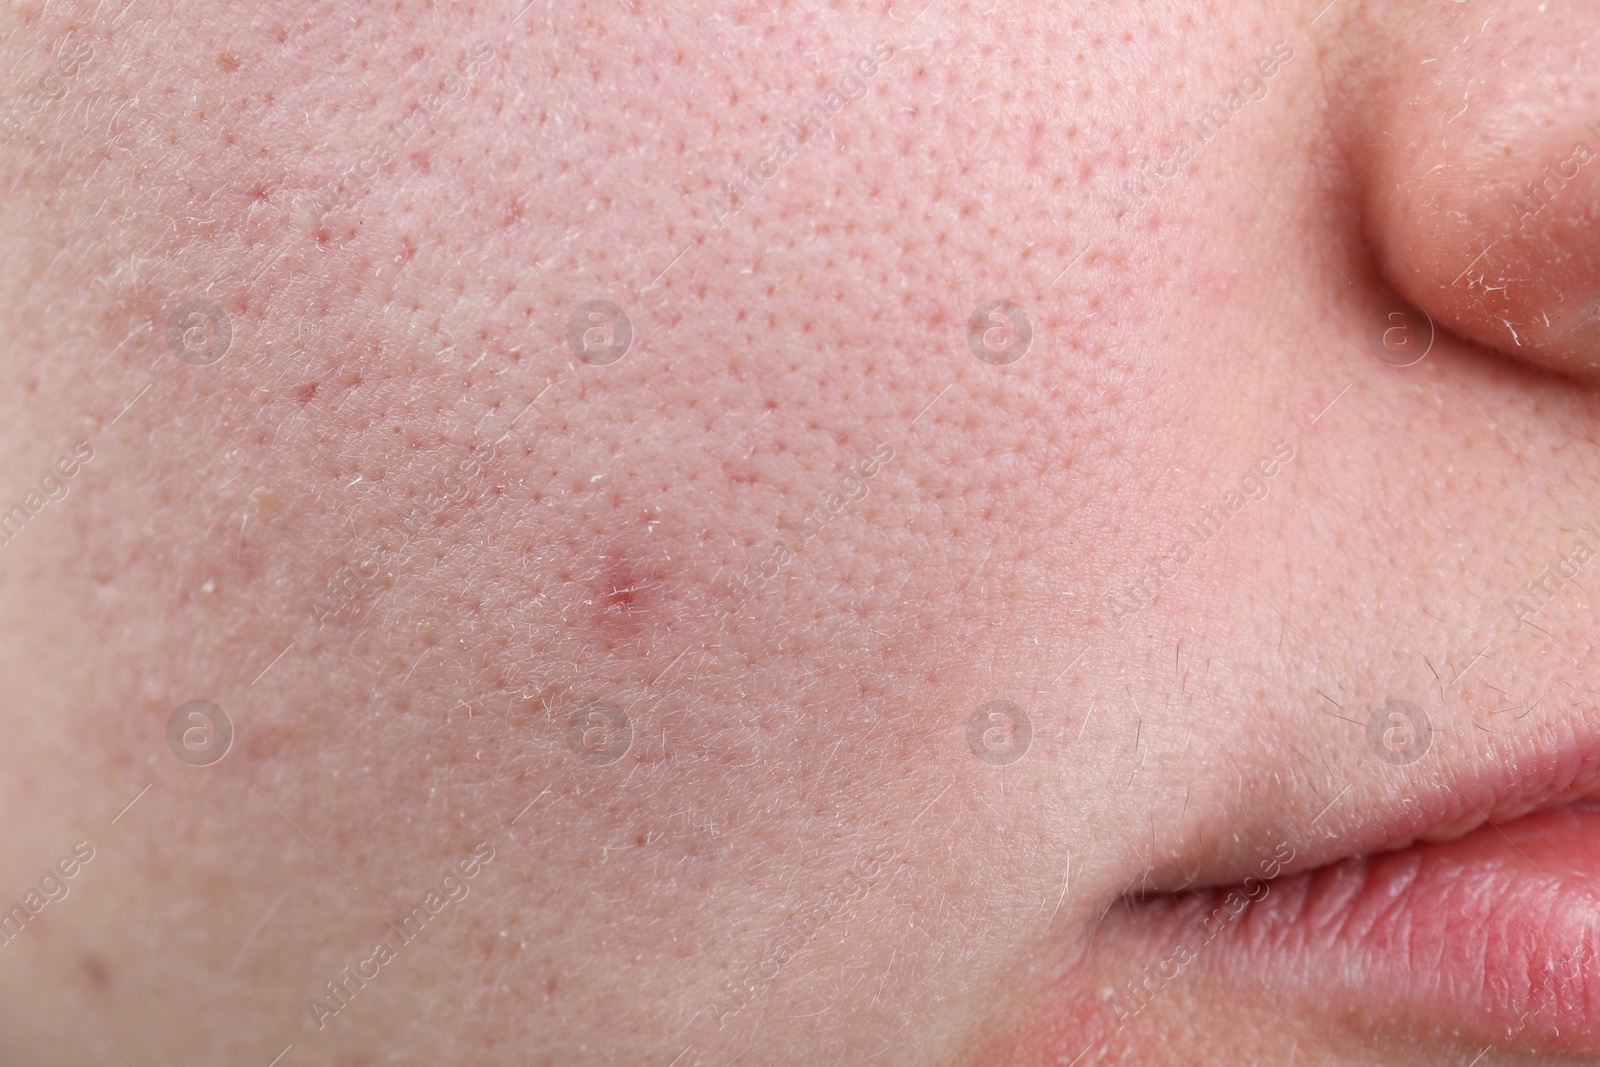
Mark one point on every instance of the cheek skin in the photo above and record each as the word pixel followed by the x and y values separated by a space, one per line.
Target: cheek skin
pixel 427 315
pixel 775 731
pixel 318 399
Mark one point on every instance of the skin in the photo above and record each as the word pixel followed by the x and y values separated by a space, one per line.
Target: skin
pixel 397 701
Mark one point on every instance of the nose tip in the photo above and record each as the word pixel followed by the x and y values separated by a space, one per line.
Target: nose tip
pixel 1483 175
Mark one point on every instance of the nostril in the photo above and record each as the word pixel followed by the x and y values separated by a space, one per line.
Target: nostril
pixel 1482 177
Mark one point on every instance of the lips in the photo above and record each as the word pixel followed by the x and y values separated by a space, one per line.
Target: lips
pixel 1452 910
pixel 1469 913
pixel 1491 939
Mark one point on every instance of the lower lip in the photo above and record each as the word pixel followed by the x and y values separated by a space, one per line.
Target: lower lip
pixel 1493 938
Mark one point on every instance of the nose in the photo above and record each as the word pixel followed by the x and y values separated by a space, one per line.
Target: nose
pixel 1480 146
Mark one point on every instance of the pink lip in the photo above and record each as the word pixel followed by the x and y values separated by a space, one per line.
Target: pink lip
pixel 1492 938
pixel 1462 913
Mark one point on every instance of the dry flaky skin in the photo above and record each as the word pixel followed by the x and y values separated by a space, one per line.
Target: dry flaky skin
pixel 797 534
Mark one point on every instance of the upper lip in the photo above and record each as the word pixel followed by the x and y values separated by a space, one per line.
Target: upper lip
pixel 1488 940
pixel 1470 777
pixel 1495 770
pixel 1476 780
pixel 1441 800
pixel 1436 934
